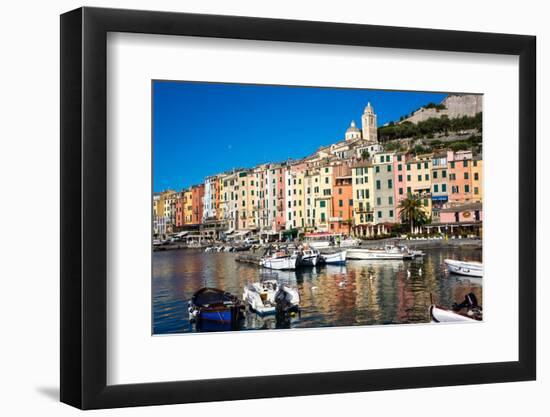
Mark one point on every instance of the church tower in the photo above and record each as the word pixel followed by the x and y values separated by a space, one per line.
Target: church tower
pixel 368 124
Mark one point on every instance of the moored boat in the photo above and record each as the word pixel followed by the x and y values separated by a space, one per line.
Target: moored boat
pixel 270 296
pixel 472 269
pixel 336 258
pixel 216 305
pixel 308 256
pixel 388 252
pixel 280 260
pixel 441 315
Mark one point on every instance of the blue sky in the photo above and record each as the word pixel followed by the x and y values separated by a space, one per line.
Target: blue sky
pixel 200 129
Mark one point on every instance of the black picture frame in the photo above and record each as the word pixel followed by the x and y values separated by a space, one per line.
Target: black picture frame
pixel 84 207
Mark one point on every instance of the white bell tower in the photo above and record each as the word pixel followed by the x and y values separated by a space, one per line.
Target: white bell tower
pixel 368 124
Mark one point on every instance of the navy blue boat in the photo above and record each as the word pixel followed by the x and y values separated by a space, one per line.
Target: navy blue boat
pixel 214 305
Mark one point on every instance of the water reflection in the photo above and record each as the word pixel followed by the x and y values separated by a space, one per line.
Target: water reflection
pixel 359 293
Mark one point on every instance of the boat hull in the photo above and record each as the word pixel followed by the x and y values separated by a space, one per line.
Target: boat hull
pixel 470 269
pixel 440 315
pixel 284 263
pixel 338 258
pixel 368 254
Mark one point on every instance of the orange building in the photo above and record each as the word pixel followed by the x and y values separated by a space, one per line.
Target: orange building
pixel 460 176
pixel 342 200
pixel 197 196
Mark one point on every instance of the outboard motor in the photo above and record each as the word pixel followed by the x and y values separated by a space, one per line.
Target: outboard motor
pixel 471 305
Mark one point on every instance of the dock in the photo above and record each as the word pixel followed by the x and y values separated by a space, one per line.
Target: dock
pixel 249 259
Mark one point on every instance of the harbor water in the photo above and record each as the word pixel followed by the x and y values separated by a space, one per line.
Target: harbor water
pixel 356 294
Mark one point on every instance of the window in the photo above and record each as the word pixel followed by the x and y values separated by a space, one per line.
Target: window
pixel 399 166
pixel 475 163
pixel 454 189
pixel 434 175
pixel 378 201
pixel 466 188
pixel 436 188
pixel 390 200
pixel 389 168
pixel 420 178
pixel 443 174
pixel 427 177
pixel 409 190
pixel 326 180
pixel 387 158
pixel 408 167
pixel 476 190
pixel 400 178
pixel 391 213
pixel 377 184
pixel 390 183
pixel 443 188
pixel 408 177
pixel 379 214
pixel 377 169
pixel 465 163
pixel 350 202
pixel 340 191
pixel 340 203
pixel 426 165
pixel 476 175
pixel 418 165
pixel 466 176
pixel 322 217
pixel 326 170
pixel 322 203
pixel 399 159
pixel 452 165
pixel 401 191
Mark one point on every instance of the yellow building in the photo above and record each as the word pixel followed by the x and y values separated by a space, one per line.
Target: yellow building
pixel 477 179
pixel 295 196
pixel 363 194
pixel 418 173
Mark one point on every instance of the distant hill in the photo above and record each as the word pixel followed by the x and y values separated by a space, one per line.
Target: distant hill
pixel 452 106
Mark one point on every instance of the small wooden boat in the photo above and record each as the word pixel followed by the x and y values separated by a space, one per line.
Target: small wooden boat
pixel 336 258
pixel 280 260
pixel 216 305
pixel 265 297
pixel 472 269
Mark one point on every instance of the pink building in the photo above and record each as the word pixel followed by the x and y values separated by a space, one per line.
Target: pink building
pixel 462 214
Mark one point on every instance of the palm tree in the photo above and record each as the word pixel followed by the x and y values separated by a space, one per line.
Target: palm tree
pixel 411 211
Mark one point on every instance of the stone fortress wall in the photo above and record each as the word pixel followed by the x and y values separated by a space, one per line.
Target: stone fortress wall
pixel 457 105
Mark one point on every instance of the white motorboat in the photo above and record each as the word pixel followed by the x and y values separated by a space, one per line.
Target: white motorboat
pixel 440 315
pixel 267 296
pixel 471 269
pixel 388 252
pixel 280 260
pixel 309 256
pixel 337 258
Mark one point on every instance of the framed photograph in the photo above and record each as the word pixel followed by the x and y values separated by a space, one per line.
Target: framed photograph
pixel 257 208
